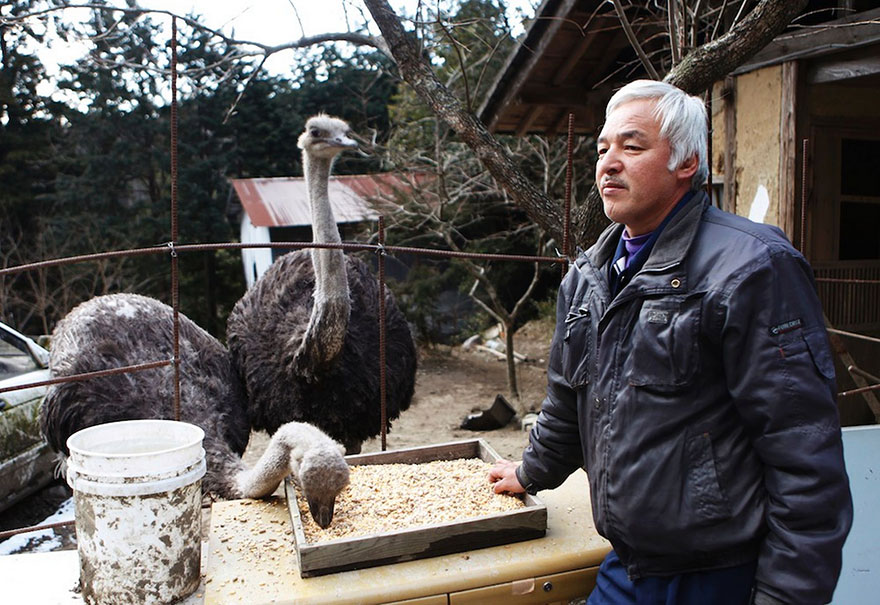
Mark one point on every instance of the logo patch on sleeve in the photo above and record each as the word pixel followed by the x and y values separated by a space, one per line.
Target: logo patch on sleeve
pixel 655 316
pixel 787 326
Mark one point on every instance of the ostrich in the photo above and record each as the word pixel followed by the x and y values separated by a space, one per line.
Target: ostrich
pixel 305 336
pixel 128 329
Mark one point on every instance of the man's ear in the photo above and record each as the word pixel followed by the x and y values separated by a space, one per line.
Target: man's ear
pixel 688 167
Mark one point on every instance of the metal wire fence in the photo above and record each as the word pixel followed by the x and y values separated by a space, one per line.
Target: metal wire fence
pixel 174 249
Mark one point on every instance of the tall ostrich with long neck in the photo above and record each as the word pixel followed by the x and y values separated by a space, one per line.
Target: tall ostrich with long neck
pixel 324 336
pixel 119 330
pixel 305 337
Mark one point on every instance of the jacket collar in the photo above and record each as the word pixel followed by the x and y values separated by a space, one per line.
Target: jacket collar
pixel 671 247
pixel 676 239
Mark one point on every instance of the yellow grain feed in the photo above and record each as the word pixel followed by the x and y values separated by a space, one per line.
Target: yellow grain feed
pixel 383 498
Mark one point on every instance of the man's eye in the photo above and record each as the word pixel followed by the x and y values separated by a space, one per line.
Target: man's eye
pixel 602 151
pixel 632 147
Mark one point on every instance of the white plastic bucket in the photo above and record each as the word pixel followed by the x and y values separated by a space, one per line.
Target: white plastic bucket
pixel 137 505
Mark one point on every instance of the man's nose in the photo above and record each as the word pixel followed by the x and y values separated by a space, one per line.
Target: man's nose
pixel 609 163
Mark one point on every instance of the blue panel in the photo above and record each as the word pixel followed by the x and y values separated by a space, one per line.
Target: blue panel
pixel 860 577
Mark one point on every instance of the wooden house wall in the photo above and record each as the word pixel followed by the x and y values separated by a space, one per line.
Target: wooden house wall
pixel 746 146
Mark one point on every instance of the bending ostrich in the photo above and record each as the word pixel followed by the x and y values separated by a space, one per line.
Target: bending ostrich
pixel 128 329
pixel 305 337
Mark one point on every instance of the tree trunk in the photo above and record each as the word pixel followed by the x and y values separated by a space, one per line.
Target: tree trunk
pixel 710 62
pixel 511 365
pixel 589 220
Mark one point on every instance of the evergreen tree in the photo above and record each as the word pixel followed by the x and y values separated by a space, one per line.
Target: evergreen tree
pixel 27 165
pixel 99 167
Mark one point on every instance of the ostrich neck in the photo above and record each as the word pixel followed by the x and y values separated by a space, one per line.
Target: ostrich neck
pixel 329 318
pixel 317 171
pixel 330 280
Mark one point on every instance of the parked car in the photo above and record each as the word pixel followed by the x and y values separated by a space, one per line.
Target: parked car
pixel 26 462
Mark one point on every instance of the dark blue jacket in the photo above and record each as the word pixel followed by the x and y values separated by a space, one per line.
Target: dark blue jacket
pixel 700 401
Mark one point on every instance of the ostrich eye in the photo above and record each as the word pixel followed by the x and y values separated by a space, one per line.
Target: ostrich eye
pixel 315 132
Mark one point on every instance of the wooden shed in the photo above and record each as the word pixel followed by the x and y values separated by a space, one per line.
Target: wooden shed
pixel 810 95
pixel 571 59
pixel 795 131
pixel 801 120
pixel 277 210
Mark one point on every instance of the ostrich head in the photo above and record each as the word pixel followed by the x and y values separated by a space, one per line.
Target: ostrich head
pixel 322 475
pixel 325 136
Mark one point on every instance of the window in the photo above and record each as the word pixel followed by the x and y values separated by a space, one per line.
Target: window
pixel 14 358
pixel 859 226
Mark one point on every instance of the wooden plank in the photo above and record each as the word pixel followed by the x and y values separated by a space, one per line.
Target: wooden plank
pixel 788 150
pixel 452 450
pixel 729 100
pixel 526 123
pixel 553 96
pixel 574 56
pixel 538 37
pixel 841 351
pixel 416 543
pixel 836 70
pixel 434 600
pixel 859 29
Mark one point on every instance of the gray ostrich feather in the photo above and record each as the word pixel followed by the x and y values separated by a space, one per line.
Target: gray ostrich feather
pixel 305 337
pixel 128 329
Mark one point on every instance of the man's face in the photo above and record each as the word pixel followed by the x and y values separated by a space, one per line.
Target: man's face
pixel 636 186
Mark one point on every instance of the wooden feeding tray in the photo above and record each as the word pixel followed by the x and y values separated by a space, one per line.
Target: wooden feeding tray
pixel 369 550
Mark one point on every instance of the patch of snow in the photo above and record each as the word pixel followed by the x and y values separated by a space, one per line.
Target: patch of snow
pixel 45 540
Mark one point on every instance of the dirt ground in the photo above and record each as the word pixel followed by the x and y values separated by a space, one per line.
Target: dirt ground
pixel 451 383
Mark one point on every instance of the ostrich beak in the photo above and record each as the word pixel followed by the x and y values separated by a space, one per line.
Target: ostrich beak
pixel 342 142
pixel 322 513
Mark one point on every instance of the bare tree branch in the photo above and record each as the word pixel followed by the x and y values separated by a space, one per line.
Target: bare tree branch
pixel 463 68
pixel 712 61
pixel 695 19
pixel 263 49
pixel 634 42
pixel 673 37
pixel 418 73
pixel 695 73
pixel 719 20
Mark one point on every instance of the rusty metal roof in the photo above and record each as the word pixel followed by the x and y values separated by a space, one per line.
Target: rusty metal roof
pixel 284 201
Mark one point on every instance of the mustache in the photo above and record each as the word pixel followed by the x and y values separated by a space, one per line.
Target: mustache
pixel 611 180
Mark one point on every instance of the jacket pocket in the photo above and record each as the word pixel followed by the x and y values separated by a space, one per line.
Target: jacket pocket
pixel 576 345
pixel 817 343
pixel 803 350
pixel 666 344
pixel 703 489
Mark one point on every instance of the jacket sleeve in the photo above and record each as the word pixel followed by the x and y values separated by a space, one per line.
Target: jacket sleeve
pixel 780 374
pixel 554 450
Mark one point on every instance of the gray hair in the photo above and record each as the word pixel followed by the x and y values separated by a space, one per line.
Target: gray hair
pixel 682 120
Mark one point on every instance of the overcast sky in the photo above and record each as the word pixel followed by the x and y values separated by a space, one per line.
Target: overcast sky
pixel 279 21
pixel 265 21
pixel 270 21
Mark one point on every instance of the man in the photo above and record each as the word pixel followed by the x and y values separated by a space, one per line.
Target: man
pixel 690 376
